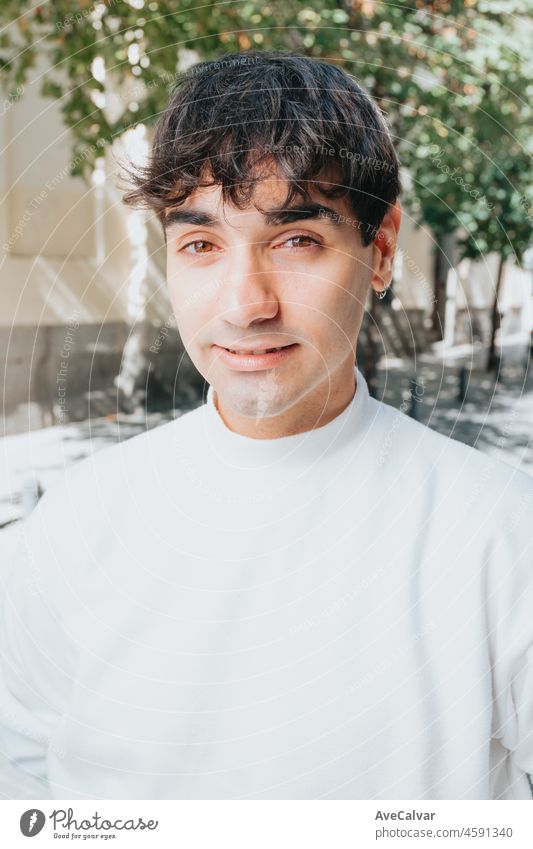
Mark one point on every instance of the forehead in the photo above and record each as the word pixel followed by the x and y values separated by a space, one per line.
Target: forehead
pixel 270 190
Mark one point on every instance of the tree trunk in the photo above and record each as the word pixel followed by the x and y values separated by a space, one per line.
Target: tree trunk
pixel 496 318
pixel 444 260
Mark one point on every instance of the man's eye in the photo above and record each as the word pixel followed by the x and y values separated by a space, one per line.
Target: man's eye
pixel 301 241
pixel 203 247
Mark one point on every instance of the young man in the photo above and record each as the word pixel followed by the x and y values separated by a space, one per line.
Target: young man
pixel 294 591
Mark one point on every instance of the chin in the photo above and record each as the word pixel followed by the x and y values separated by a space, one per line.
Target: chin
pixel 261 400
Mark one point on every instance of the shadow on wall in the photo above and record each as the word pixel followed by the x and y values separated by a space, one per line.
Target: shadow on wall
pixel 55 375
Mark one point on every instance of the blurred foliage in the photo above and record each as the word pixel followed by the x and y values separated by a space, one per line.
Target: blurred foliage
pixel 453 78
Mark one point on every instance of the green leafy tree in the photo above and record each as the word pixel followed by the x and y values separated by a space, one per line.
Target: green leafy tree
pixel 453 78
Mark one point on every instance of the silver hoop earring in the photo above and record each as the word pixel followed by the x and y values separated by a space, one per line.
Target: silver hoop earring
pixel 382 294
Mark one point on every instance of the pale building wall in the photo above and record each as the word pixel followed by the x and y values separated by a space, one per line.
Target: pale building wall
pixel 476 290
pixel 65 245
pixel 74 276
pixel 413 268
pixel 49 227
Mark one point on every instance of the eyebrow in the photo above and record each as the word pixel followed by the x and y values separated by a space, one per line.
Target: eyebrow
pixel 273 217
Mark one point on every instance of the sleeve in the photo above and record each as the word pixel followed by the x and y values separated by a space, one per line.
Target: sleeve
pixel 36 657
pixel 510 621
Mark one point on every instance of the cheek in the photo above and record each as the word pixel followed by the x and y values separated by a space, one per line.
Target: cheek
pixel 337 298
pixel 332 291
pixel 191 322
pixel 173 282
pixel 348 296
pixel 190 304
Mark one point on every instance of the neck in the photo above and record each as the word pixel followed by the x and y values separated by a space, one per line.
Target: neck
pixel 318 407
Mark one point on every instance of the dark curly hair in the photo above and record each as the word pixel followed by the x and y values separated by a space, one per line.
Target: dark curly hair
pixel 228 118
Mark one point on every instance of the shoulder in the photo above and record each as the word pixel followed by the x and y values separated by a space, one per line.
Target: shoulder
pixel 109 473
pixel 91 503
pixel 469 476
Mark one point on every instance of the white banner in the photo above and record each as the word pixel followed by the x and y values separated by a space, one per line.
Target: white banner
pixel 268 824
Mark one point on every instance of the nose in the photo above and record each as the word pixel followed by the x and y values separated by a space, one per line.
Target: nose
pixel 248 294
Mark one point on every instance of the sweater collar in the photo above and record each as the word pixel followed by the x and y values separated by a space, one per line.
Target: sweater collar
pixel 306 447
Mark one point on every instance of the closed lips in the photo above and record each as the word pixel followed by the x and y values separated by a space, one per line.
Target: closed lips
pixel 265 351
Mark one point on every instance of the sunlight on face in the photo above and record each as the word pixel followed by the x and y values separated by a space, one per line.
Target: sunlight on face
pixel 241 280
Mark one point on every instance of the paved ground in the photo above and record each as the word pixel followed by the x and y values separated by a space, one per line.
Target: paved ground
pixel 493 413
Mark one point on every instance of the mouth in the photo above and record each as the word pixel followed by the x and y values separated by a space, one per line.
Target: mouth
pixel 254 353
pixel 256 359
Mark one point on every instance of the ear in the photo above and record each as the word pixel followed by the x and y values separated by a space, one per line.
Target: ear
pixel 384 248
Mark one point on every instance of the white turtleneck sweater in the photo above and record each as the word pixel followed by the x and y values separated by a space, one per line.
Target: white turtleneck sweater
pixel 344 613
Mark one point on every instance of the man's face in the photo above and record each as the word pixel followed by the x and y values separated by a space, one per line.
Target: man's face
pixel 243 281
